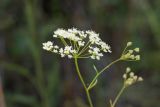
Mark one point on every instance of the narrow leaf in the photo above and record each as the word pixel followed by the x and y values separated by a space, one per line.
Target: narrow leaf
pixel 95 69
pixel 93 84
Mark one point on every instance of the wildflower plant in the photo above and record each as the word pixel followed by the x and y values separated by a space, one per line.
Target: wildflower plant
pixel 77 44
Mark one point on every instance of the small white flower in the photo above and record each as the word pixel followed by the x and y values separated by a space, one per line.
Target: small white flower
pixel 55 51
pixel 81 43
pixel 95 53
pixel 73 51
pixel 98 57
pixel 70 56
pixel 93 37
pixel 73 30
pixel 48 46
pixel 96 50
pixel 67 50
pixel 61 50
pixel 55 36
pixel 56 47
pixel 82 35
pixel 105 47
pixel 60 33
pixel 90 51
pixel 62 55
pixel 93 57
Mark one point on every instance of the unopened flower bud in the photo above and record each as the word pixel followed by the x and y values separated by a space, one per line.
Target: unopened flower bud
pixel 129 43
pixel 124 76
pixel 131 74
pixel 128 69
pixel 140 79
pixel 136 49
pixel 137 57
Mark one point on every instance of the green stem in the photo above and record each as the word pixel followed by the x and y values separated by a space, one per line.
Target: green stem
pixel 109 66
pixel 87 54
pixel 124 50
pixel 118 96
pixel 99 73
pixel 63 41
pixel 83 57
pixel 83 83
pixel 85 48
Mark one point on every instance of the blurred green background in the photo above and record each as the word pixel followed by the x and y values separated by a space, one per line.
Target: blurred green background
pixel 32 77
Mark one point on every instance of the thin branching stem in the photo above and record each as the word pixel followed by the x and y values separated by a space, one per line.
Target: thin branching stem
pixel 83 83
pixel 118 96
pixel 63 41
pixel 99 73
pixel 85 48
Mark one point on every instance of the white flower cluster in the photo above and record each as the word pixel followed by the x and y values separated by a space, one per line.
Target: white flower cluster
pixel 95 53
pixel 48 46
pixel 129 54
pixel 71 34
pixel 130 78
pixel 80 44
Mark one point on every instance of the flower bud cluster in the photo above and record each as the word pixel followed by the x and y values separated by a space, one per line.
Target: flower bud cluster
pixel 130 53
pixel 130 78
pixel 84 44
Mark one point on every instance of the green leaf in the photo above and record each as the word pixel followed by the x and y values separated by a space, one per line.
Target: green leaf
pixel 15 67
pixel 53 82
pixel 95 69
pixel 18 98
pixel 53 76
pixel 93 84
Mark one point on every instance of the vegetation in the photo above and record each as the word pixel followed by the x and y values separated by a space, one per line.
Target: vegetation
pixel 33 78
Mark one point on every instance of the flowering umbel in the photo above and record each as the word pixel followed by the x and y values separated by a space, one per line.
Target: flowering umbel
pixel 79 44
